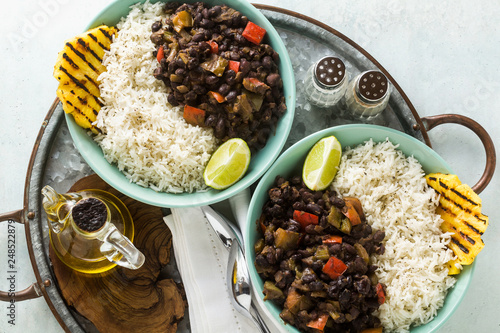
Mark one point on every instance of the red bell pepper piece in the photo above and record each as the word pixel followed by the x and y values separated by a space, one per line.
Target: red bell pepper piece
pixel 380 293
pixel 255 81
pixel 263 227
pixel 234 65
pixel 194 116
pixel 305 218
pixel 253 33
pixel 218 97
pixel 333 240
pixel 319 323
pixel 261 224
pixel 214 47
pixel 351 213
pixel 160 54
pixel 334 267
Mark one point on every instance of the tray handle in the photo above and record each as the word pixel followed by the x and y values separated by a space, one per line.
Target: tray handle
pixel 433 121
pixel 34 290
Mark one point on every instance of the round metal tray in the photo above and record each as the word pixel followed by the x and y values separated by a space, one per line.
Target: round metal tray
pixel 55 161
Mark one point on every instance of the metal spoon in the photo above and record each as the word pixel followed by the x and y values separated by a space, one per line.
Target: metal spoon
pixel 222 227
pixel 240 287
pixel 238 277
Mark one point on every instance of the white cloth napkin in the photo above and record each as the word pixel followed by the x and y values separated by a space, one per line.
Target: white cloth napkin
pixel 239 207
pixel 202 262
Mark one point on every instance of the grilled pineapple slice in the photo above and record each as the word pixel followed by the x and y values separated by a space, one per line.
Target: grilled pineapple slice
pixel 452 267
pixel 460 208
pixel 77 69
pixel 460 200
pixel 465 246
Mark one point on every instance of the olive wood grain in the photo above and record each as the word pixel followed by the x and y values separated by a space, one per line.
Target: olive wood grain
pixel 124 300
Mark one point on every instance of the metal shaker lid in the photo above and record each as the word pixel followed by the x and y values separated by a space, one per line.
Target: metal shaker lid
pixel 329 72
pixel 372 86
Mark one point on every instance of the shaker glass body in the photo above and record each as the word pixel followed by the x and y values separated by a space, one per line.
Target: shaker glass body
pixel 368 94
pixel 326 82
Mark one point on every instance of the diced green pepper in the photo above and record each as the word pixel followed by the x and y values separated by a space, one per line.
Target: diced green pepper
pixel 272 292
pixel 182 20
pixel 333 308
pixel 255 99
pixel 296 302
pixel 215 64
pixel 176 78
pixel 346 226
pixel 184 57
pixel 362 252
pixel 168 36
pixel 335 217
pixel 322 253
pixel 259 245
pixel 286 239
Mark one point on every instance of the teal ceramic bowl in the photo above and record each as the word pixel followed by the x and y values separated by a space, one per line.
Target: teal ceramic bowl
pixel 290 163
pixel 260 162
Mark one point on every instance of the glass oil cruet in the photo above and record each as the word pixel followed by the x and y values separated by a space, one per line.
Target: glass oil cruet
pixel 91 231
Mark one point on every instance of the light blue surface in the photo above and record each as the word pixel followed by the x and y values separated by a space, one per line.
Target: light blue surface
pixel 444 54
pixel 260 161
pixel 290 163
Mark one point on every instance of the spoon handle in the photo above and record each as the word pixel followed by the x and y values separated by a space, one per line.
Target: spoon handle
pixel 258 320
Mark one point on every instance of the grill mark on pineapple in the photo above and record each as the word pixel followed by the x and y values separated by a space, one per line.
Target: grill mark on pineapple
pixel 460 195
pixel 70 61
pixel 75 81
pixel 467 238
pixel 456 204
pixel 460 246
pixel 95 99
pixel 87 47
pixel 466 198
pixel 480 219
pixel 92 81
pixel 98 101
pixel 94 38
pixel 470 226
pixel 83 101
pixel 77 110
pixel 443 185
pixel 105 33
pixel 432 179
pixel 467 210
pixel 82 56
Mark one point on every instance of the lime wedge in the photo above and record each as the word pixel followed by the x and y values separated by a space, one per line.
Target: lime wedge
pixel 322 163
pixel 228 164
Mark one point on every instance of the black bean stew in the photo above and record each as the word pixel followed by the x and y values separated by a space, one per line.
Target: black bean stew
pixel 314 256
pixel 214 63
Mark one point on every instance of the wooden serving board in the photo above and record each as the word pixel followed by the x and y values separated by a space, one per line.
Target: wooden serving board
pixel 124 300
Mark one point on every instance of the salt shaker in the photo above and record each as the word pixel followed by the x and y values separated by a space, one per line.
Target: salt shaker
pixel 326 82
pixel 368 94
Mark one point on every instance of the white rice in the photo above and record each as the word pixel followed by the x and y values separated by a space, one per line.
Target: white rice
pixel 145 137
pixel 396 199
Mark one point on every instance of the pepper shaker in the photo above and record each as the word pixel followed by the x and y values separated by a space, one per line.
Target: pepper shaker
pixel 326 82
pixel 368 94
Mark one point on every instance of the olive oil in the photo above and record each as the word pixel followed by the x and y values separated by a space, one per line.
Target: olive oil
pixel 83 248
